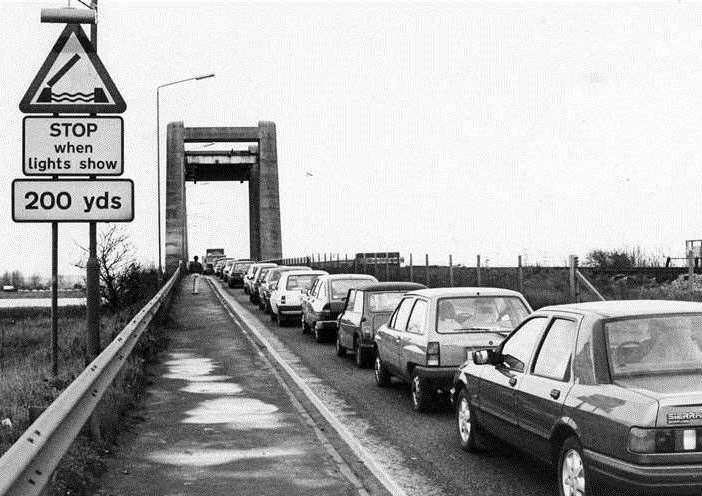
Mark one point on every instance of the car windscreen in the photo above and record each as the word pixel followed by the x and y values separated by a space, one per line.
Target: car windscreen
pixel 340 287
pixel 262 274
pixel 241 267
pixel 479 313
pixel 301 282
pixel 384 302
pixel 655 345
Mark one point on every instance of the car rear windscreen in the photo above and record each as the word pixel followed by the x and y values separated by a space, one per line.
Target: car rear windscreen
pixel 242 267
pixel 479 313
pixel 340 287
pixel 655 345
pixel 384 302
pixel 301 282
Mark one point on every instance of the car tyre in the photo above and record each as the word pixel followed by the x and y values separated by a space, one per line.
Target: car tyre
pixel 420 393
pixel 382 376
pixel 361 355
pixel 305 327
pixel 571 474
pixel 318 336
pixel 340 350
pixel 469 432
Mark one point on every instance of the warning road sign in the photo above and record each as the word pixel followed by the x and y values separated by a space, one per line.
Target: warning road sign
pixel 73 80
pixel 72 200
pixel 73 146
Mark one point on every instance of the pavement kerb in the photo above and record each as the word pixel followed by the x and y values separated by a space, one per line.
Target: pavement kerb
pixel 246 320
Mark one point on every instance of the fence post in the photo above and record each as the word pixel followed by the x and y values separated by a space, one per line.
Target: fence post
pixel 451 270
pixel 355 265
pixel 411 269
pixel 520 274
pixel 365 264
pixel 387 266
pixel 477 271
pixel 426 267
pixel 573 263
pixel 690 265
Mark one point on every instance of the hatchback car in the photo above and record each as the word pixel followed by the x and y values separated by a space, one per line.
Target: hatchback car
pixel 365 311
pixel 606 391
pixel 286 297
pixel 325 300
pixel 270 281
pixel 251 274
pixel 258 278
pixel 237 272
pixel 228 264
pixel 433 331
pixel 219 266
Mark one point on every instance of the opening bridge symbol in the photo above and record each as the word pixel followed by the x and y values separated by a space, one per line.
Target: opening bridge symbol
pixel 47 94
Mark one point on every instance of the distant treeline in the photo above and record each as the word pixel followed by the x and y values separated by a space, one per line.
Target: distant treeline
pixel 19 280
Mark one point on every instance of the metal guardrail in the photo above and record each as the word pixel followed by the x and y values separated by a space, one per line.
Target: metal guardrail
pixel 26 468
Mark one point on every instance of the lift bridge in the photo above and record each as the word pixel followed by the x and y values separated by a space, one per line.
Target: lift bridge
pixel 258 165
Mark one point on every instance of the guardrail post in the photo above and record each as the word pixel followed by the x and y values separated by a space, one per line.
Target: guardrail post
pixel 426 267
pixel 450 270
pixel 520 275
pixel 573 266
pixel 479 281
pixel 690 265
pixel 387 266
pixel 365 264
pixel 411 269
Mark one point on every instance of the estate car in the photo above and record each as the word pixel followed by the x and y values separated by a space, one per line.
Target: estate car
pixel 433 331
pixel 286 298
pixel 366 309
pixel 606 391
pixel 270 281
pixel 325 300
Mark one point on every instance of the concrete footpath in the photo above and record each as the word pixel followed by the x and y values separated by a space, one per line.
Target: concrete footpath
pixel 216 420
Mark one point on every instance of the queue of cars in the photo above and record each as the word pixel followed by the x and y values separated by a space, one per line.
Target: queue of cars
pixel 609 393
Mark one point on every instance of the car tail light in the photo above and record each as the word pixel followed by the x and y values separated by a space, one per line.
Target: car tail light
pixel 366 328
pixel 433 354
pixel 664 440
pixel 282 300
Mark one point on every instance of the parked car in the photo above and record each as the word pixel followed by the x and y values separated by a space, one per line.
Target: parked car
pixel 237 272
pixel 286 297
pixel 325 300
pixel 258 279
pixel 251 274
pixel 433 331
pixel 270 281
pixel 219 265
pixel 227 268
pixel 606 391
pixel 366 309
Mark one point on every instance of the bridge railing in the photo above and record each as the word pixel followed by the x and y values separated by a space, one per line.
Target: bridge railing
pixel 27 467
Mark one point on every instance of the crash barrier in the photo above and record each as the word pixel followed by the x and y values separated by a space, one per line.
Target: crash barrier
pixel 26 468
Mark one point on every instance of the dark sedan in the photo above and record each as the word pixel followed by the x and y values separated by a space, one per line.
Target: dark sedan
pixel 609 392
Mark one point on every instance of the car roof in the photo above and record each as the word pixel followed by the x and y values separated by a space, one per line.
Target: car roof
pixel 298 272
pixel 264 264
pixel 393 286
pixel 348 276
pixel 628 308
pixel 476 291
pixel 286 268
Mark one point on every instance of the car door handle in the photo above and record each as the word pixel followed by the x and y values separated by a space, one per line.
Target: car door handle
pixel 555 394
pixel 512 381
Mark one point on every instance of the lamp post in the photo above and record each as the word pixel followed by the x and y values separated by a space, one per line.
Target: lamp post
pixel 158 159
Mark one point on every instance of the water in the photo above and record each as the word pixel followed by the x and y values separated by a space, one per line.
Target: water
pixel 39 302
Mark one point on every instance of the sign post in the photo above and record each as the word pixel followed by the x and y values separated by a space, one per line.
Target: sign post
pixel 73 80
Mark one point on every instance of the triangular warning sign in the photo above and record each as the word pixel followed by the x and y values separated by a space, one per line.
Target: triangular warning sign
pixel 73 80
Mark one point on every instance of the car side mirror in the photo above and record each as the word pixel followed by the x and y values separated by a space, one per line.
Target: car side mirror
pixel 486 357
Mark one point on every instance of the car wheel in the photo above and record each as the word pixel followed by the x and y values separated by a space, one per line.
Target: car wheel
pixel 571 473
pixel 274 318
pixel 420 393
pixel 382 376
pixel 318 336
pixel 305 327
pixel 469 433
pixel 360 355
pixel 340 350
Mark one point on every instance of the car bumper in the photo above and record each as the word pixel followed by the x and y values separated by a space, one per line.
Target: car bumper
pixel 290 309
pixel 441 377
pixel 656 479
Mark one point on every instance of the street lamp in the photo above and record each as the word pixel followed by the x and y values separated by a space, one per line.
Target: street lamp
pixel 158 157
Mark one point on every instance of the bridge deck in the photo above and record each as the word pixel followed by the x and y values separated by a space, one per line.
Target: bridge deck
pixel 217 421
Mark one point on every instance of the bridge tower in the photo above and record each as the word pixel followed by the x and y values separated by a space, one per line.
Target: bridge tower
pixel 258 165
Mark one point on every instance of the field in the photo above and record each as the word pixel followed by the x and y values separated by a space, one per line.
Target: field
pixel 26 381
pixel 64 293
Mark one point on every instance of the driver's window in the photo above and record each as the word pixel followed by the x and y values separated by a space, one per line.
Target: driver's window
pixel 402 314
pixel 358 302
pixel 418 317
pixel 517 349
pixel 350 301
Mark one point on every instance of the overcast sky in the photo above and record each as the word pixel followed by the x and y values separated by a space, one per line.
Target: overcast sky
pixel 491 128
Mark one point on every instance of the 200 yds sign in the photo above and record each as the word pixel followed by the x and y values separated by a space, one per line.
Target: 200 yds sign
pixel 72 200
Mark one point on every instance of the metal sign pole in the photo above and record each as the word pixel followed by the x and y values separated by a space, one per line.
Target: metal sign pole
pixel 54 299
